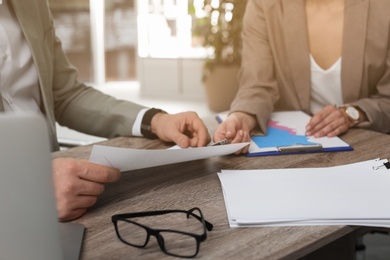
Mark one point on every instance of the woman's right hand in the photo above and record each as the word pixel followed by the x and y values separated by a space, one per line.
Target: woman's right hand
pixel 236 128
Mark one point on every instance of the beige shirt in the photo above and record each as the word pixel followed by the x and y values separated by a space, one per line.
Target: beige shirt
pixel 275 71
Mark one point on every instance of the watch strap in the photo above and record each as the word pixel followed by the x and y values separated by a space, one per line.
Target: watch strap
pixel 352 120
pixel 146 129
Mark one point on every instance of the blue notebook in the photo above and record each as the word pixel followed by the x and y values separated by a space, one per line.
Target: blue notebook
pixel 286 135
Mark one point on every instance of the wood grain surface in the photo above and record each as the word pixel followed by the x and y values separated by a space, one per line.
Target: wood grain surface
pixel 196 184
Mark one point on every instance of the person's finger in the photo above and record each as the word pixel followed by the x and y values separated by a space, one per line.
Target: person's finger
pixel 338 131
pixel 197 137
pixel 333 121
pixel 75 207
pixel 231 129
pixel 246 137
pixel 202 137
pixel 319 117
pixel 181 140
pixel 318 122
pixel 242 136
pixel 98 173
pixel 71 215
pixel 185 129
pixel 84 202
pixel 245 149
pixel 198 133
pixel 79 186
pixel 331 117
pixel 337 126
pixel 238 138
pixel 220 133
pixel 90 188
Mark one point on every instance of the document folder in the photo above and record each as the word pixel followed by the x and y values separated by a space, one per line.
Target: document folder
pixel 286 135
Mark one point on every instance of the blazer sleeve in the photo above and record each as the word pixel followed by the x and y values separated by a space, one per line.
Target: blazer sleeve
pixel 258 89
pixel 377 105
pixel 374 97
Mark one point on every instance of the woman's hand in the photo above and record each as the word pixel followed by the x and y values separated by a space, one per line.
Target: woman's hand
pixel 236 128
pixel 330 121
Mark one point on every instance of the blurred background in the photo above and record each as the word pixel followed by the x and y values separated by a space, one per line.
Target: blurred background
pixel 178 55
pixel 138 50
pixel 148 41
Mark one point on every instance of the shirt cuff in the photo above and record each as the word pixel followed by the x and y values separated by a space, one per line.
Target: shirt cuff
pixel 136 131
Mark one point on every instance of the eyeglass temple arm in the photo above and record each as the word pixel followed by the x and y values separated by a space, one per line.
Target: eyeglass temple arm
pixel 209 226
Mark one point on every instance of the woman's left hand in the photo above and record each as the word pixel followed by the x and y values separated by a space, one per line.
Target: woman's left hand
pixel 330 121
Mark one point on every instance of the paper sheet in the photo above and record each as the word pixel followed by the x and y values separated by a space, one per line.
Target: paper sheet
pixel 350 194
pixel 126 159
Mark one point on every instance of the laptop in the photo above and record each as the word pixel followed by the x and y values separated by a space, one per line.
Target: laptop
pixel 29 227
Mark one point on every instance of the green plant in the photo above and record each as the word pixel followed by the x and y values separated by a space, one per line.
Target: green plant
pixel 220 31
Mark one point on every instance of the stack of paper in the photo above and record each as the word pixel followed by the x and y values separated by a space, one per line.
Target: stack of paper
pixel 353 194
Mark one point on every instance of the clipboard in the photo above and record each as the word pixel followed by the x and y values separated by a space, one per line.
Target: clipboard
pixel 286 135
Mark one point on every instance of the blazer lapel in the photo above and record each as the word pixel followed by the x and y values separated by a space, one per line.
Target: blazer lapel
pixel 27 13
pixel 296 40
pixel 355 27
pixel 24 13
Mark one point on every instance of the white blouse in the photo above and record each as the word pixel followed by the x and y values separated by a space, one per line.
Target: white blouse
pixel 325 86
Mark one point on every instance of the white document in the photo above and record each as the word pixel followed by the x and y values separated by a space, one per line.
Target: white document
pixel 126 159
pixel 353 194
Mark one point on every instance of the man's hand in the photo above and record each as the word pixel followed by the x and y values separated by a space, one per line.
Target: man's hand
pixel 185 129
pixel 77 184
pixel 236 128
pixel 330 121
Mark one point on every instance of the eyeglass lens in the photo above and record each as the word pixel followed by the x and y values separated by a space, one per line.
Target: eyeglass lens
pixel 179 244
pixel 132 234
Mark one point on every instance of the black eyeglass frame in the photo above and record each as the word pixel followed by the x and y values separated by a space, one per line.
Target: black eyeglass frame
pixel 156 232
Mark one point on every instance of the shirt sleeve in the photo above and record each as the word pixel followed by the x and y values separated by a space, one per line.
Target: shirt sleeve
pixel 136 131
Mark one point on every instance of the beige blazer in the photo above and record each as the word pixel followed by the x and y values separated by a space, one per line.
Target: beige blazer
pixel 275 72
pixel 65 99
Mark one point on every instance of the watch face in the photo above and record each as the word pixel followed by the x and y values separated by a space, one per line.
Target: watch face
pixel 353 113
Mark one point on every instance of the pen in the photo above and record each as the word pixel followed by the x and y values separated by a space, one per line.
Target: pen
pixel 222 142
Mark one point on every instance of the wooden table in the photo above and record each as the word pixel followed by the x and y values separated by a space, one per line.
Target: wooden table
pixel 190 184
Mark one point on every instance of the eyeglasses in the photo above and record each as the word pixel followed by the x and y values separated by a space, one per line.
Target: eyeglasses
pixel 172 242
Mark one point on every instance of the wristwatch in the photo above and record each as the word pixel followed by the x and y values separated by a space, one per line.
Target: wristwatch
pixel 146 129
pixel 352 113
